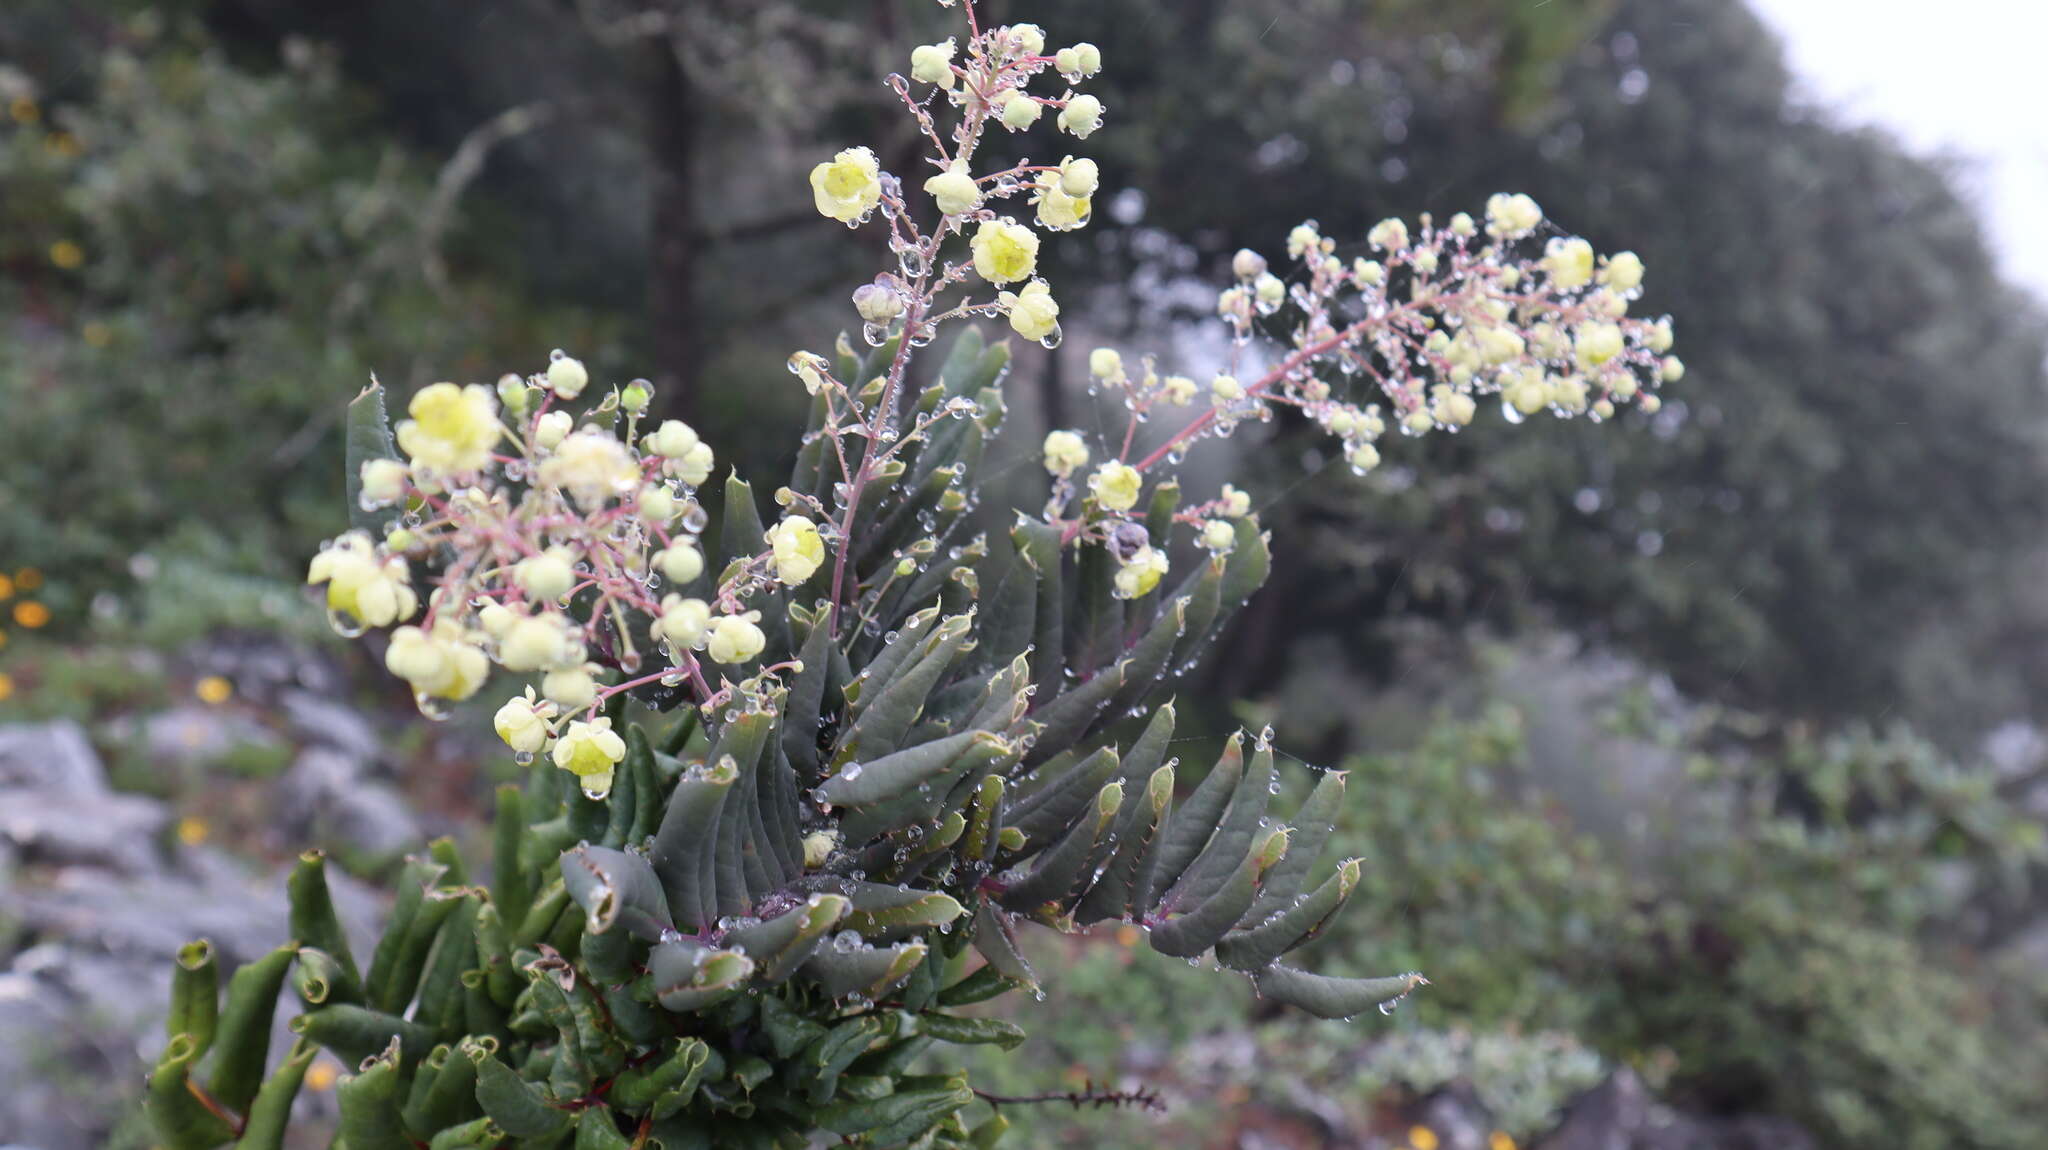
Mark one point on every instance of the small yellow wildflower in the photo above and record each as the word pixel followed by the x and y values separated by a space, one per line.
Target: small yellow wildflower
pixel 848 186
pixel 1005 252
pixel 214 689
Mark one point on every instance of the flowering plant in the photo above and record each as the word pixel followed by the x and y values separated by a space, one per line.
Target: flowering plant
pixel 896 737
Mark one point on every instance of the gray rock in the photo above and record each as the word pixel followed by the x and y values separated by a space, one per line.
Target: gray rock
pixel 330 723
pixel 53 756
pixel 64 827
pixel 194 734
pixel 325 798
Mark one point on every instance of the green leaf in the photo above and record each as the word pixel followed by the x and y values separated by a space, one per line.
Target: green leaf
pixel 1327 997
pixel 271 1112
pixel 1285 929
pixel 1313 825
pixel 895 775
pixel 369 1105
pixel 1190 933
pixel 782 944
pixel 1234 833
pixel 314 923
pixel 235 1068
pixel 516 1106
pixel 356 1033
pixel 195 995
pixel 1191 825
pixel 179 1118
pixel 616 889
pixel 973 1031
pixel 683 847
pixel 689 976
pixel 867 971
pixel 368 437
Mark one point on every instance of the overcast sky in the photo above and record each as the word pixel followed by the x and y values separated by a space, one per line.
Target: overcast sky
pixel 1961 77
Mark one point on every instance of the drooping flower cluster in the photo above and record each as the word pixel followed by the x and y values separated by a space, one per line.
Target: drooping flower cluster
pixel 556 539
pixel 1412 335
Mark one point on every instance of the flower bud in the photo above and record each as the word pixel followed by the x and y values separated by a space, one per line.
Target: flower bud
pixel 551 429
pixel 1247 264
pixel 955 191
pixel 571 687
pixel 681 562
pixel 635 396
pixel 682 621
pixel 1225 390
pixel 1219 537
pixel 1078 62
pixel 567 377
pixel 657 504
pixel 534 643
pixel 1388 235
pixel 1624 271
pixel 547 576
pixel 1021 111
pixel 513 393
pixel 1271 291
pixel 1081 117
pixel 1029 38
pixel 1104 363
pixel 383 482
pixel 876 304
pixel 1139 574
pixel 933 64
pixel 1079 177
pixel 1233 504
pixel 672 440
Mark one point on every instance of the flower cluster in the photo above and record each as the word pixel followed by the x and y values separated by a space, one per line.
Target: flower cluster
pixel 1410 334
pixel 987 81
pixel 556 540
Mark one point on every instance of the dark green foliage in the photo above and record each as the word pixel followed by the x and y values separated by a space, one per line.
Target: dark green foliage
pixel 801 909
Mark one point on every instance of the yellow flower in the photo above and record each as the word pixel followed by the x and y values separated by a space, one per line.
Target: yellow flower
pixel 590 751
pixel 1365 456
pixel 954 190
pixel 214 689
pixel 567 376
pixel 1422 1138
pixel 1106 364
pixel 66 255
pixel 736 638
pixel 441 665
pixel 592 466
pixel 523 723
pixel 1388 235
pixel 1116 485
pixel 694 467
pixel 1078 62
pixel 1597 343
pixel 1060 212
pixel 1511 216
pixel 31 615
pixel 452 428
pixel 799 551
pixel 192 830
pixel 372 592
pixel 1569 262
pixel 1624 271
pixel 848 186
pixel 1140 573
pixel 1065 453
pixel 1225 390
pixel 1034 314
pixel 1005 252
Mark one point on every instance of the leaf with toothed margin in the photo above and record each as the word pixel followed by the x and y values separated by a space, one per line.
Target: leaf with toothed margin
pixel 368 437
pixel 1327 997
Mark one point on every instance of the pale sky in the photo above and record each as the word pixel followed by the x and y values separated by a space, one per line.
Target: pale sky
pixel 1964 78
